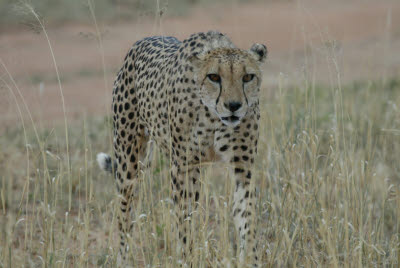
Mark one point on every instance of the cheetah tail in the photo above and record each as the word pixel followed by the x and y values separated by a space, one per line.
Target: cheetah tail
pixel 105 162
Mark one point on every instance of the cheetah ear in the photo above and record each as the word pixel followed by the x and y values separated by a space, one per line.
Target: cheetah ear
pixel 196 59
pixel 259 52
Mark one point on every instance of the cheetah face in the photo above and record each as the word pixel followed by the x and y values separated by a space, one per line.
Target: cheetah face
pixel 229 80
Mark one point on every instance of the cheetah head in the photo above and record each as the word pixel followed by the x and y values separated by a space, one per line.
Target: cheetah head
pixel 229 80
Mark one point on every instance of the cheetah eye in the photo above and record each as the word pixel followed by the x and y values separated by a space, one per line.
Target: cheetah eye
pixel 214 77
pixel 247 78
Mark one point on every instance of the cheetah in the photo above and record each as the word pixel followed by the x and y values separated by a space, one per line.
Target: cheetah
pixel 198 101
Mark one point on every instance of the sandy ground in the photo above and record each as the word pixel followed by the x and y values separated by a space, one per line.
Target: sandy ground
pixel 313 40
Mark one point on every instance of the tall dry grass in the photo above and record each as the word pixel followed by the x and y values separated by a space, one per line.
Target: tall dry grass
pixel 327 181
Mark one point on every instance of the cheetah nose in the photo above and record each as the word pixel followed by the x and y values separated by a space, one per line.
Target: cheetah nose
pixel 233 106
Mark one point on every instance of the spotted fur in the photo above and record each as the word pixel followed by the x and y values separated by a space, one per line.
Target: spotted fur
pixel 198 101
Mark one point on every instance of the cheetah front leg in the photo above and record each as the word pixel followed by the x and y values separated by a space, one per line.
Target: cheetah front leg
pixel 238 147
pixel 185 194
pixel 244 215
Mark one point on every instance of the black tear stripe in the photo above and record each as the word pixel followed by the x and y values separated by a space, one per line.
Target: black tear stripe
pixel 244 93
pixel 220 91
pixel 202 82
pixel 247 101
pixel 219 95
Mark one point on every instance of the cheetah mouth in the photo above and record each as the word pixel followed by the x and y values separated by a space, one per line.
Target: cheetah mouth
pixel 230 120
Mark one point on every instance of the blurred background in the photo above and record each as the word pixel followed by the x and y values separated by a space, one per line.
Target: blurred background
pixel 308 40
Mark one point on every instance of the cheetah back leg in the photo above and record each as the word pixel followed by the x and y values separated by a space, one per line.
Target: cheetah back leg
pixel 130 149
pixel 130 162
